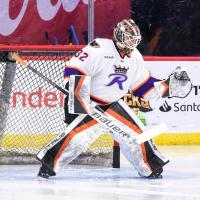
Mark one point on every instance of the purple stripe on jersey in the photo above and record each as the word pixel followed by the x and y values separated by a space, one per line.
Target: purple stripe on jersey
pixel 145 87
pixel 71 71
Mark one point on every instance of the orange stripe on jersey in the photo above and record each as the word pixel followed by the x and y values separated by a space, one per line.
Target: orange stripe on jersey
pixel 122 54
pixel 166 87
pixel 77 92
pixel 163 83
pixel 141 83
pixel 147 92
pixel 81 71
pixel 70 137
pixel 124 120
pixel 100 101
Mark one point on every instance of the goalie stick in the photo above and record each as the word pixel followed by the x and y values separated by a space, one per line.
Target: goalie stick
pixel 97 115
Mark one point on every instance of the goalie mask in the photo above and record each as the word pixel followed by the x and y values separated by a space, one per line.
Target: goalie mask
pixel 127 34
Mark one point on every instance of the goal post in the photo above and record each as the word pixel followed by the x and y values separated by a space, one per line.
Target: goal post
pixel 6 89
pixel 31 110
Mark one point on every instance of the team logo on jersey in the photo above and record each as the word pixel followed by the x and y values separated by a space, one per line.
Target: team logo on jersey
pixel 118 77
pixel 94 44
pixel 121 70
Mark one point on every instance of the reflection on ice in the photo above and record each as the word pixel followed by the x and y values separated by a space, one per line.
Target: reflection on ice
pixel 181 181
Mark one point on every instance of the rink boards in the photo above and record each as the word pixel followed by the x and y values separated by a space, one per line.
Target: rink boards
pixel 36 141
pixel 182 115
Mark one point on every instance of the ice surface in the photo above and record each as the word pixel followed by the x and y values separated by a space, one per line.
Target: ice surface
pixel 181 181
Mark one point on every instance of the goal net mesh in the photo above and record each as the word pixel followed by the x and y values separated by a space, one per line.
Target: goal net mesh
pixel 33 114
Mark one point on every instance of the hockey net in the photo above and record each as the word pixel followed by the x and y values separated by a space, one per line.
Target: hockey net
pixel 31 110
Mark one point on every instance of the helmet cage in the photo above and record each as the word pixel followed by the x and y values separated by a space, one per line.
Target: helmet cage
pixel 130 41
pixel 127 38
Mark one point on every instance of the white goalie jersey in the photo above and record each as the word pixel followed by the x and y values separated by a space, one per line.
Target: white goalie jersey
pixel 112 73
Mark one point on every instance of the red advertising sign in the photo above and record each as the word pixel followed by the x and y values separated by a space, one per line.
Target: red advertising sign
pixel 26 21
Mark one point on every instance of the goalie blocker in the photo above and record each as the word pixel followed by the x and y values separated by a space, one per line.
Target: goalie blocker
pixel 84 130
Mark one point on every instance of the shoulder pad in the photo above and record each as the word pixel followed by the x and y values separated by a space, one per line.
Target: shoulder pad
pixel 94 44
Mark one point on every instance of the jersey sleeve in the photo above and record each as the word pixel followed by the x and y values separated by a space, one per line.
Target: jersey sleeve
pixel 82 63
pixel 143 82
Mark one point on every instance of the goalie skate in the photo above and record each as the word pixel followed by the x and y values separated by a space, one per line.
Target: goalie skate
pixel 45 172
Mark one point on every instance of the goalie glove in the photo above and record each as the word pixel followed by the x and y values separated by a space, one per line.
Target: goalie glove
pixel 178 84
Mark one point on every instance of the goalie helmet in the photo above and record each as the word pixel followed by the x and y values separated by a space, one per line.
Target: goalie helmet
pixel 127 34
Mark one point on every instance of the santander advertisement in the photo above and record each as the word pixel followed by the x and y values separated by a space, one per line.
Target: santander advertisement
pixel 38 101
pixel 28 21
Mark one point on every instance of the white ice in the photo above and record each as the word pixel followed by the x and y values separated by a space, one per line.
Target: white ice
pixel 181 180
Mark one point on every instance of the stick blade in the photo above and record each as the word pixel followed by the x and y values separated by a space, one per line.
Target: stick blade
pixel 151 133
pixel 20 60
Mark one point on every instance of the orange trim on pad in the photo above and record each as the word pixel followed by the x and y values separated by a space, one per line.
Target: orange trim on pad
pixel 76 93
pixel 133 127
pixel 70 137
pixel 145 156
pixel 125 121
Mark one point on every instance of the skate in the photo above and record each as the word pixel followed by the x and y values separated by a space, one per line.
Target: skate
pixel 156 174
pixel 45 172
